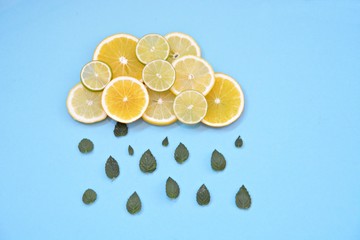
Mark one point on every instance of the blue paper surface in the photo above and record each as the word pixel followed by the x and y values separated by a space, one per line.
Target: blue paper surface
pixel 298 63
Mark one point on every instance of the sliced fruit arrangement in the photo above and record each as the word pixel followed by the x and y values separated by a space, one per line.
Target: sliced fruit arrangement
pixel 85 105
pixel 181 45
pixel 159 75
pixel 152 47
pixel 118 51
pixel 160 110
pixel 125 99
pixel 190 106
pixel 160 79
pixel 95 75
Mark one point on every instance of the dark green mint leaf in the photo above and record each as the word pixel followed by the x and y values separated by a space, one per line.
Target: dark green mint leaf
pixel 242 198
pixel 238 142
pixel 130 150
pixel 172 188
pixel 218 161
pixel 112 168
pixel 181 153
pixel 165 142
pixel 85 146
pixel 203 195
pixel 89 196
pixel 147 162
pixel 133 204
pixel 120 129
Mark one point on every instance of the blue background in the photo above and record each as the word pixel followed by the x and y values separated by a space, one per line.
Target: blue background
pixel 298 63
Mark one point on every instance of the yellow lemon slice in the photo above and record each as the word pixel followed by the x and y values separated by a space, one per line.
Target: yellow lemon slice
pixel 152 47
pixel 181 45
pixel 125 99
pixel 160 110
pixel 225 102
pixel 193 73
pixel 159 75
pixel 190 106
pixel 118 51
pixel 84 105
pixel 95 75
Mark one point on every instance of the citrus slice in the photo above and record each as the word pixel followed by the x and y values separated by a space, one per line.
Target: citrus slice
pixel 193 73
pixel 95 75
pixel 225 102
pixel 125 99
pixel 181 45
pixel 159 75
pixel 190 106
pixel 160 110
pixel 85 105
pixel 118 51
pixel 152 47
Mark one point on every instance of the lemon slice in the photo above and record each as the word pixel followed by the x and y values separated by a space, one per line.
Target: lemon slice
pixel 193 73
pixel 84 105
pixel 152 47
pixel 160 110
pixel 225 102
pixel 95 75
pixel 190 106
pixel 181 45
pixel 125 99
pixel 159 75
pixel 118 51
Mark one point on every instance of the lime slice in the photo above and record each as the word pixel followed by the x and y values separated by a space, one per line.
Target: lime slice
pixel 193 73
pixel 95 75
pixel 190 106
pixel 160 109
pixel 181 45
pixel 159 75
pixel 85 105
pixel 152 47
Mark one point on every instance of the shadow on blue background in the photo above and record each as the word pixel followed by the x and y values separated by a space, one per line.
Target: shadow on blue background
pixel 298 63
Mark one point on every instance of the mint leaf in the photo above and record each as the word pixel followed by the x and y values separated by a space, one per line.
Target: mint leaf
pixel 242 198
pixel 120 129
pixel 85 145
pixel 133 204
pixel 147 162
pixel 238 142
pixel 130 150
pixel 165 142
pixel 172 188
pixel 203 196
pixel 181 153
pixel 89 196
pixel 218 161
pixel 112 169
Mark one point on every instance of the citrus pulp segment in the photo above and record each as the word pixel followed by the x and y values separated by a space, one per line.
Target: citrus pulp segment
pixel 160 109
pixel 193 73
pixel 181 45
pixel 152 47
pixel 125 99
pixel 95 75
pixel 190 106
pixel 225 102
pixel 159 75
pixel 118 51
pixel 84 105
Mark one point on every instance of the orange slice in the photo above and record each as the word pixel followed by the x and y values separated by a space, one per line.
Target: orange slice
pixel 125 99
pixel 225 102
pixel 118 51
